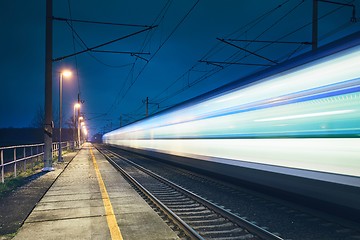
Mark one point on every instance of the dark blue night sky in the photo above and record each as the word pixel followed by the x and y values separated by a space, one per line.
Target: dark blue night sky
pixel 166 68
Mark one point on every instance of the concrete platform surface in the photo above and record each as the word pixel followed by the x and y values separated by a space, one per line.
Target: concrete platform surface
pixel 91 200
pixel 15 206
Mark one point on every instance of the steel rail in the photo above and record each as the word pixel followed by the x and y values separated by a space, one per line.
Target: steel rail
pixel 252 228
pixel 189 231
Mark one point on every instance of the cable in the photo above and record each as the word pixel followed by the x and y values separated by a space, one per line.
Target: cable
pixel 147 38
pixel 205 76
pixel 236 55
pixel 161 45
pixel 103 23
pixel 250 25
pixel 74 47
pixel 74 33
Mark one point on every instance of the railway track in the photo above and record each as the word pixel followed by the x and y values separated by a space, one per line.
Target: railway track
pixel 194 216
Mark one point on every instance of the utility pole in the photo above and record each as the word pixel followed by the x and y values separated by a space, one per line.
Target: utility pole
pixel 48 128
pixel 60 159
pixel 146 101
pixel 147 106
pixel 315 25
pixel 78 123
pixel 315 18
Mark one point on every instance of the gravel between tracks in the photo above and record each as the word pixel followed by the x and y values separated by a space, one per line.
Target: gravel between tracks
pixel 290 220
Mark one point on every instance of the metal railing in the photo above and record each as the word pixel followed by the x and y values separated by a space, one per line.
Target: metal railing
pixel 19 155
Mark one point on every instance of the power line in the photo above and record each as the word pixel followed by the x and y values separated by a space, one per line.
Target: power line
pixel 264 41
pixel 218 70
pixel 233 57
pixel 243 49
pixel 236 63
pixel 74 47
pixel 251 24
pixel 160 16
pixel 102 23
pixel 103 44
pixel 84 45
pixel 280 19
pixel 121 52
pixel 161 45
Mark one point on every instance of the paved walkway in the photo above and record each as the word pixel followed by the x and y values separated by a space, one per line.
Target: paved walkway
pixel 91 200
pixel 18 204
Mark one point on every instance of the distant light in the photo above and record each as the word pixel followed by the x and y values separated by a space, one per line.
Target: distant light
pixel 66 73
pixel 77 105
pixel 82 124
pixel 81 118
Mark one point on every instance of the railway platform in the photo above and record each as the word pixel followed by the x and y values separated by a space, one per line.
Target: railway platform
pixel 91 200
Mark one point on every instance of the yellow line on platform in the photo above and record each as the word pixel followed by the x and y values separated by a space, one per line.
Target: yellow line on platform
pixel 110 216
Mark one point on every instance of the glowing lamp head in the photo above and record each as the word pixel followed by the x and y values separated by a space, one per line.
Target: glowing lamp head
pixel 66 73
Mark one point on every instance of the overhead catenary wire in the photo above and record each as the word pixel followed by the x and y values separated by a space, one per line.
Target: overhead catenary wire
pixel 82 44
pixel 218 70
pixel 249 25
pixel 245 50
pixel 265 41
pixel 279 20
pixel 305 25
pixel 207 75
pixel 161 45
pixel 103 44
pixel 233 57
pixel 76 38
pixel 86 48
pixel 155 53
pixel 158 20
pixel 210 53
pixel 103 23
pixel 74 47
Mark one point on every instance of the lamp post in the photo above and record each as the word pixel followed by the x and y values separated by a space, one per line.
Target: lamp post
pixel 79 122
pixel 64 73
pixel 85 133
pixel 76 106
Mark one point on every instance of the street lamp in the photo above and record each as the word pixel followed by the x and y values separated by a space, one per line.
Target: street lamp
pixel 79 122
pixel 83 127
pixel 76 106
pixel 85 132
pixel 65 73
